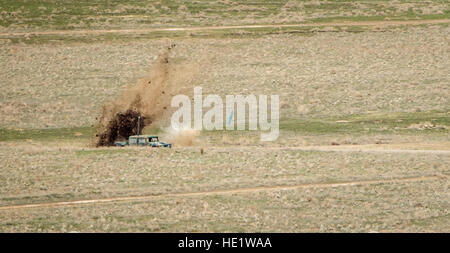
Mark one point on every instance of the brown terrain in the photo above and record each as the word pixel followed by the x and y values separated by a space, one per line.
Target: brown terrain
pixel 364 140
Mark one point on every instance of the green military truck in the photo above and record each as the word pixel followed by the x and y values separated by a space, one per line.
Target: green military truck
pixel 143 140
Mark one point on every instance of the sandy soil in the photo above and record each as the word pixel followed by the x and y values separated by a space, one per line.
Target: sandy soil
pixel 302 183
pixel 48 86
pixel 379 24
pixel 220 192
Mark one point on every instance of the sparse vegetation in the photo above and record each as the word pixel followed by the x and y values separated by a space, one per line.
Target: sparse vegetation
pixel 398 123
pixel 97 14
pixel 357 102
pixel 46 134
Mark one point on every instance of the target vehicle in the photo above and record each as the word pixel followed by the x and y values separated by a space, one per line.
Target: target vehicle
pixel 143 140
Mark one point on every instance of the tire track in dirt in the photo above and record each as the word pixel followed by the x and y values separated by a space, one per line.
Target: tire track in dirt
pixel 371 150
pixel 349 149
pixel 225 192
pixel 383 148
pixel 383 23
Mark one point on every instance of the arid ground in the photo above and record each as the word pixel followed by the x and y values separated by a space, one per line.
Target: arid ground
pixel 364 141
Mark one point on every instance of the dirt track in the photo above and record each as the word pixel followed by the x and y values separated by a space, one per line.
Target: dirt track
pixel 63 185
pixel 369 150
pixel 229 191
pixel 205 28
pixel 341 148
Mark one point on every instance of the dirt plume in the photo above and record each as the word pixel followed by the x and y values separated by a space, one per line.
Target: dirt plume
pixel 182 137
pixel 149 99
pixel 121 126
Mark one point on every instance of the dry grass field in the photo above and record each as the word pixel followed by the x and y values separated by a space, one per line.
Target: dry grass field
pixel 94 14
pixel 364 139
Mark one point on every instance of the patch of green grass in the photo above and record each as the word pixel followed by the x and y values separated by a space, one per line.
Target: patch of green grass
pixel 401 119
pixel 234 33
pixel 35 199
pixel 93 14
pixel 317 126
pixel 396 122
pixel 46 134
pixel 110 37
pixel 75 133
pixel 369 123
pixel 445 15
